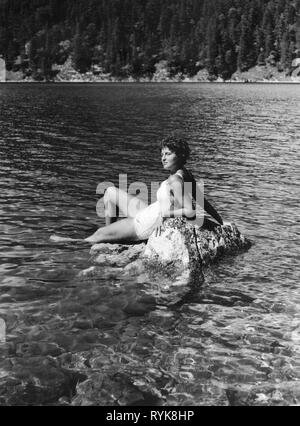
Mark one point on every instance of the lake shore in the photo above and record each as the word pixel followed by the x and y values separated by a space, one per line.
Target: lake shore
pixel 67 74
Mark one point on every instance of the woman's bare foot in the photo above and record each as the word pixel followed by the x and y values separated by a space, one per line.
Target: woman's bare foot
pixel 58 239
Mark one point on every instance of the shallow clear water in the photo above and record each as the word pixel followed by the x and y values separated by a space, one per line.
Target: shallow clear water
pixel 241 330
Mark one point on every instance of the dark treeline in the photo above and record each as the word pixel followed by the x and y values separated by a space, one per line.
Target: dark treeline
pixel 128 37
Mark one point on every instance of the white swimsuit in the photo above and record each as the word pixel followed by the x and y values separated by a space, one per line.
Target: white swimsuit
pixel 145 221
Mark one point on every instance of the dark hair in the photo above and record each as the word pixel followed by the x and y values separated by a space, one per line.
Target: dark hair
pixel 177 143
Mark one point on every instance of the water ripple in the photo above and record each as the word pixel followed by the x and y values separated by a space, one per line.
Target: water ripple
pixel 241 330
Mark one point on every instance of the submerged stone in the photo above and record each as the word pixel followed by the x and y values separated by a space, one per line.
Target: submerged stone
pixel 265 394
pixel 35 381
pixel 117 389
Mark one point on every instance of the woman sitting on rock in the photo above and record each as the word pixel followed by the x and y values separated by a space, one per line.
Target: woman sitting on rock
pixel 175 198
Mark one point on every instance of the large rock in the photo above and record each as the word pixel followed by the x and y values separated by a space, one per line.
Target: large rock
pixel 296 63
pixel 182 249
pixel 187 247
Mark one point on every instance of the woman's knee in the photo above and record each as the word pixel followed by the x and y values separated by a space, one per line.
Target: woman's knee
pixel 111 200
pixel 110 194
pixel 95 237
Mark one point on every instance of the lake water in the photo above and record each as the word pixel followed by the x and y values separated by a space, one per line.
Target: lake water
pixel 234 341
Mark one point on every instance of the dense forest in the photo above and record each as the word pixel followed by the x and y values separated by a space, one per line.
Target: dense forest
pixel 129 37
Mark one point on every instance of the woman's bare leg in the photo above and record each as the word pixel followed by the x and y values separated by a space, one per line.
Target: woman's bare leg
pixel 117 201
pixel 58 239
pixel 123 230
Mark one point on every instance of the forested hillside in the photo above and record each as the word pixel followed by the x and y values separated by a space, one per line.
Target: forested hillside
pixel 128 37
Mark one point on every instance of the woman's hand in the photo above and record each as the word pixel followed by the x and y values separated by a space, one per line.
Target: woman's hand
pixel 159 226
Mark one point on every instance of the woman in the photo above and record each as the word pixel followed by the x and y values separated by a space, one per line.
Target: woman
pixel 173 200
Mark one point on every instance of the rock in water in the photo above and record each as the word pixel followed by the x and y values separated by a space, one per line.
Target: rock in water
pixel 184 246
pixel 182 249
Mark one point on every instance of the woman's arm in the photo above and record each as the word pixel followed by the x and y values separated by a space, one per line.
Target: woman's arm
pixel 176 196
pixel 184 202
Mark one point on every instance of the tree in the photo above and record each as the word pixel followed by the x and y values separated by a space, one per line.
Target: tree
pixel 81 59
pixel 297 9
pixel 211 43
pixel 133 35
pixel 269 29
pixel 246 53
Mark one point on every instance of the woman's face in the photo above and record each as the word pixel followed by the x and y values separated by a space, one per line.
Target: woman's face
pixel 170 160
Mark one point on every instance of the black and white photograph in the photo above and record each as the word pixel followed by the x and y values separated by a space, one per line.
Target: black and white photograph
pixel 149 205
